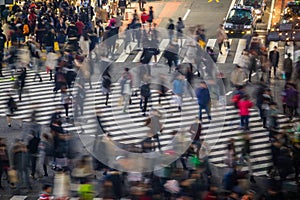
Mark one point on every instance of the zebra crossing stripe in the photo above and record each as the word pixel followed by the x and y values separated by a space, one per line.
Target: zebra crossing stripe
pixel 18 197
pixel 222 57
pixel 211 43
pixel 123 57
pixel 241 46
pixel 162 46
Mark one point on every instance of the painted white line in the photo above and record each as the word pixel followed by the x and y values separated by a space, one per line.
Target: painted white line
pixel 186 14
pixel 211 43
pixel 229 93
pixel 239 51
pixel 271 15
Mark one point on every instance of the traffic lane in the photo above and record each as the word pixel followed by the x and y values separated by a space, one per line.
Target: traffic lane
pixel 209 14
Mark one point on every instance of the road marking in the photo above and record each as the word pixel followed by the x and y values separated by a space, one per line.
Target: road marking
pixel 228 93
pixel 271 15
pixel 186 14
pixel 239 51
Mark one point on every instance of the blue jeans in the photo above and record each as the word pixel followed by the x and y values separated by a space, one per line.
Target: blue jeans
pixel 245 121
pixel 206 110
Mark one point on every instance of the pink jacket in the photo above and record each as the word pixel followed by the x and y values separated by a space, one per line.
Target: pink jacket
pixel 244 106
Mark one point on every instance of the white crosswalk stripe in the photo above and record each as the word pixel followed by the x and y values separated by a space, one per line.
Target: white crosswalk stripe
pixel 18 197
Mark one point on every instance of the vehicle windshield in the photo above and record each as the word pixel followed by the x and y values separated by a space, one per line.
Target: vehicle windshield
pixel 239 15
pixel 252 3
pixel 292 11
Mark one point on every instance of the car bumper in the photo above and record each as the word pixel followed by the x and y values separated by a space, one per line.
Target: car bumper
pixel 242 32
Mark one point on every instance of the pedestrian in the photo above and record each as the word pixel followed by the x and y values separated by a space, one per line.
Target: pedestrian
pixel 46 192
pixel 252 64
pixel 244 105
pixel 126 86
pixel 2 44
pixel 122 6
pixel 162 89
pixel 274 58
pixel 66 100
pixel 127 40
pixel 21 164
pixel 291 95
pixel 21 82
pixel 11 108
pixel 79 100
pixel 288 67
pixel 195 130
pixel 32 147
pixel 189 75
pixel 179 27
pixel 296 160
pixel 106 84
pixel 156 127
pixel 211 53
pixel 142 4
pixel 150 18
pixel 238 77
pixel 144 18
pixel 221 37
pixel 230 155
pixel 11 59
pixel 171 54
pixel 46 153
pixel 204 100
pixel 145 94
pixel 51 63
pixel 59 80
pixel 171 29
pixel 4 160
pixel 179 86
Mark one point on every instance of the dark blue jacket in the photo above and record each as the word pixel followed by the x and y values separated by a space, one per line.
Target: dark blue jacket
pixel 203 96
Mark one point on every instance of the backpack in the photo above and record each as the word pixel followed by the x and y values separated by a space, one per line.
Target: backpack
pixel 33 145
pixel 145 90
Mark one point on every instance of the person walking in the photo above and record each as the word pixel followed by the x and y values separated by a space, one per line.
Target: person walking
pixel 221 37
pixel 32 147
pixel 2 43
pixel 4 160
pixel 204 100
pixel 142 4
pixel 153 122
pixel 274 58
pixel 178 90
pixel 288 67
pixel 144 18
pixel 21 82
pixel 171 54
pixel 106 84
pixel 126 85
pixel 145 94
pixel 122 6
pixel 179 27
pixel 244 105
pixel 171 29
pixel 150 18
pixel 291 95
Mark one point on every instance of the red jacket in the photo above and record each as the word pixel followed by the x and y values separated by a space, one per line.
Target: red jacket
pixel 144 17
pixel 244 106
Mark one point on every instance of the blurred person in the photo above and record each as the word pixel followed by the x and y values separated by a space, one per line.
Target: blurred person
pixel 274 58
pixel 127 40
pixel 46 152
pixel 49 40
pixel 84 44
pixel 142 4
pixel 178 88
pixel 179 27
pixel 46 192
pixel 32 147
pixel 244 105
pixel 4 160
pixel 272 115
pixel 156 127
pixel 252 64
pixel 265 67
pixel 195 130
pixel 144 18
pixel 238 77
pixel 106 84
pixel 2 44
pixel 291 95
pixel 246 155
pixel 66 100
pixel 230 155
pixel 189 75
pixel 211 53
pixel 150 18
pixel 162 90
pixel 21 164
pixel 145 93
pixel 59 80
pixel 171 54
pixel 122 6
pixel 288 67
pixel 126 86
pixel 221 37
pixel 21 82
pixel 296 160
pixel 204 100
pixel 112 38
pixel 51 63
pixel 284 163
pixel 79 100
pixel 171 29
pixel 11 108
pixel 11 59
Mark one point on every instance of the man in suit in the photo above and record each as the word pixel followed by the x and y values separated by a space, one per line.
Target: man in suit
pixel 274 59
